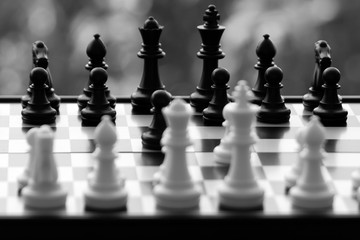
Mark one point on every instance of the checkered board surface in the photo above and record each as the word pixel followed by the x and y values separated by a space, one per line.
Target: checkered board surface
pixel 272 157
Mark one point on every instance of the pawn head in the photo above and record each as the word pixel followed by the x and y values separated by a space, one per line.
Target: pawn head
pixel 38 76
pixel 105 133
pixel 45 138
pixel 331 76
pixel 314 134
pixel 273 75
pixel 30 135
pixel 160 98
pixel 220 76
pixel 98 76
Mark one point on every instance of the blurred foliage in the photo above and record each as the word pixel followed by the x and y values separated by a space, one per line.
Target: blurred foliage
pixel 67 27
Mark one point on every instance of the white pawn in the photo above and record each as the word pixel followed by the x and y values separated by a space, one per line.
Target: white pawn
pixel 43 190
pixel 176 189
pixel 294 173
pixel 240 188
pixel 106 188
pixel 23 179
pixel 311 191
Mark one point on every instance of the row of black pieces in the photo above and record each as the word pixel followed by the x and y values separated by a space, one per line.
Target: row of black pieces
pixel 272 107
pixel 151 51
pixel 38 109
pixel 329 110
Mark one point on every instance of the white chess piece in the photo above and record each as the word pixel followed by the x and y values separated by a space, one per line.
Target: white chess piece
pixel 162 167
pixel 294 173
pixel 176 189
pixel 222 152
pixel 355 178
pixel 311 191
pixel 23 179
pixel 106 188
pixel 43 190
pixel 240 188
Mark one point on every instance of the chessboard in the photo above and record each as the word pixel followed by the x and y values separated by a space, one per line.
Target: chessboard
pixel 272 156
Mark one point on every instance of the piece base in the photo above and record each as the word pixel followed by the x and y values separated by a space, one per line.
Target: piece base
pixel 315 200
pixel 241 198
pixel 44 200
pixel 176 199
pixel 105 200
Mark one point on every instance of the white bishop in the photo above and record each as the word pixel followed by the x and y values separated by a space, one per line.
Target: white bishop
pixel 106 188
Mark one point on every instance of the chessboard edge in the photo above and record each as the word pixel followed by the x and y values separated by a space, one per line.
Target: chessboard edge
pixel 126 99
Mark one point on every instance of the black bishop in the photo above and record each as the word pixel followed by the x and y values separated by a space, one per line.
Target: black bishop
pixel 266 52
pixel 96 51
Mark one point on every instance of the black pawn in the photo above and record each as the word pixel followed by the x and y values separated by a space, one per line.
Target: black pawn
pixel 210 53
pixel 266 52
pixel 151 138
pixel 273 109
pixel 151 51
pixel 98 105
pixel 213 115
pixel 38 110
pixel 330 110
pixel 322 61
pixel 40 59
pixel 96 51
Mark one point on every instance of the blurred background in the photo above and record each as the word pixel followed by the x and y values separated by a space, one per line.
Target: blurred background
pixel 68 26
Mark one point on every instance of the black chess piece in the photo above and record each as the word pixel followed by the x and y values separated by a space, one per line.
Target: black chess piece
pixel 151 51
pixel 40 59
pixel 273 109
pixel 98 104
pixel 266 52
pixel 38 111
pixel 330 110
pixel 210 52
pixel 213 114
pixel 96 51
pixel 322 61
pixel 151 138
